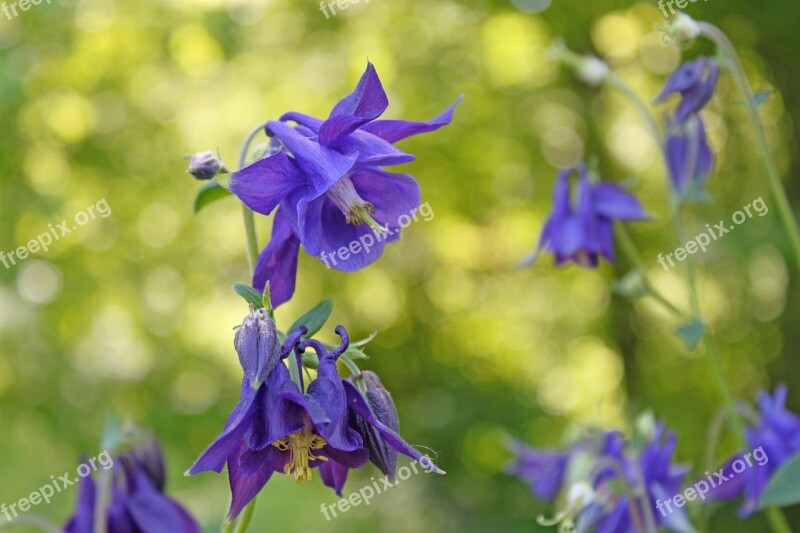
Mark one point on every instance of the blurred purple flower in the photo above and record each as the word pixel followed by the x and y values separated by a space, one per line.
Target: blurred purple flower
pixel 695 81
pixel 588 475
pixel 326 176
pixel 584 233
pixel 689 157
pixel 775 438
pixel 138 502
pixel 276 427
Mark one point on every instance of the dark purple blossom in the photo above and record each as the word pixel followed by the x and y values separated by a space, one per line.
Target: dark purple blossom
pixel 381 453
pixel 689 157
pixel 695 81
pixel 327 181
pixel 137 501
pixel 774 438
pixel 280 427
pixel 582 231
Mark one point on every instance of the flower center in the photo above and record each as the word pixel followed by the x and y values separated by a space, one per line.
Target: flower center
pixel 300 446
pixel 356 210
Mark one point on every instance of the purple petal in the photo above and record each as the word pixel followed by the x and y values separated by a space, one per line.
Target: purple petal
pixel 615 203
pixel 358 404
pixel 371 150
pixel 262 185
pixel 334 475
pixel 277 263
pixel 312 123
pixel 155 513
pixel 366 103
pixel 395 130
pixel 215 456
pixel 83 519
pixel 320 166
pixel 542 470
pixel 245 487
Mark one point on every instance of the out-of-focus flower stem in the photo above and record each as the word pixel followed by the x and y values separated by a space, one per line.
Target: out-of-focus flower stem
pixel 777 521
pixel 788 219
pixel 249 217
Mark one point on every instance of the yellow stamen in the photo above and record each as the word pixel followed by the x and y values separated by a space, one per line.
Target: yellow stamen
pixel 300 446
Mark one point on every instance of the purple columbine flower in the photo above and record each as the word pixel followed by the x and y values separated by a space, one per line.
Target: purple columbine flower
pixel 773 438
pixel 137 502
pixel 695 81
pixel 327 180
pixel 588 474
pixel 689 157
pixel 582 231
pixel 279 426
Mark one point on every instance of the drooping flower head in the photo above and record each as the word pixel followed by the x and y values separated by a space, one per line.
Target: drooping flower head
pixel 695 81
pixel 582 231
pixel 137 500
pixel 327 181
pixel 281 426
pixel 689 157
pixel 773 437
pixel 589 475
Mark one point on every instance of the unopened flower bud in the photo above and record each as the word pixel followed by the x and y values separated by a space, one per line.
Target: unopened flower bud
pixel 592 70
pixel 205 165
pixel 258 346
pixel 684 28
pixel 381 454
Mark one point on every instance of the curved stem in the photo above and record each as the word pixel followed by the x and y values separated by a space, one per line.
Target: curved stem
pixel 247 213
pixel 247 515
pixel 619 84
pixel 777 521
pixel 779 193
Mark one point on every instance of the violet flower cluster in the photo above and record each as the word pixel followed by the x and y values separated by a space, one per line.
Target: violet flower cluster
pixel 281 426
pixel 608 486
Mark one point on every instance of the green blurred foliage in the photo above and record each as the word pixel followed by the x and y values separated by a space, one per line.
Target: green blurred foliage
pixel 99 99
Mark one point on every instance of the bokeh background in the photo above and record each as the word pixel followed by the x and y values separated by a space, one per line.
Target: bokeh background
pixel 134 312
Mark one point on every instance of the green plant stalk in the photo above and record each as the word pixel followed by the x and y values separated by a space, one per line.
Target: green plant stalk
pixel 788 219
pixel 246 517
pixel 249 218
pixel 777 521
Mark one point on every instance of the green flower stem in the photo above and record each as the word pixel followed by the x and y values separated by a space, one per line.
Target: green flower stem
pixel 779 193
pixel 632 254
pixel 247 515
pixel 619 84
pixel 350 364
pixel 247 213
pixel 102 500
pixel 712 354
pixel 777 521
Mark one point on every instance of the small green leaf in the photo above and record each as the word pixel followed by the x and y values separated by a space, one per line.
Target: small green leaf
pixel 762 96
pixel 314 319
pixel 209 193
pixel 250 295
pixel 633 285
pixel 691 333
pixel 783 489
pixel 310 360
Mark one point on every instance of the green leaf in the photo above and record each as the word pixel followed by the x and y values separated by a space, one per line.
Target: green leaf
pixel 209 193
pixel 314 319
pixel 691 333
pixel 762 96
pixel 783 489
pixel 250 295
pixel 355 353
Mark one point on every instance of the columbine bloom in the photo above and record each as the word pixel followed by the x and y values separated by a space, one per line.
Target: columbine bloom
pixel 381 453
pixel 589 474
pixel 279 426
pixel 582 232
pixel 326 179
pixel 137 502
pixel 689 156
pixel 773 438
pixel 695 82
